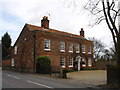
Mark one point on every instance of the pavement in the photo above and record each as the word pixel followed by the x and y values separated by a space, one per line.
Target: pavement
pixel 91 78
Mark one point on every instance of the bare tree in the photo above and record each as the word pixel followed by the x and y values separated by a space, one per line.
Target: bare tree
pixel 98 48
pixel 106 10
pixel 109 12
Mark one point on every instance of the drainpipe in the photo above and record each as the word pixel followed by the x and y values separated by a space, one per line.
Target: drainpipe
pixel 34 50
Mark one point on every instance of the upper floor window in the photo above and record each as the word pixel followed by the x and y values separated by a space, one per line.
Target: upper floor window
pixel 89 49
pixel 83 48
pixel 77 47
pixel 70 47
pixel 15 49
pixel 46 44
pixel 83 62
pixel 62 61
pixel 89 62
pixel 62 46
pixel 70 62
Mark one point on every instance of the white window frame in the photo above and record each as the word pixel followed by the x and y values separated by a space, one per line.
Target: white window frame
pixel 70 62
pixel 89 49
pixel 89 62
pixel 83 48
pixel 15 49
pixel 77 48
pixel 62 45
pixel 70 46
pixel 12 62
pixel 47 44
pixel 62 60
pixel 83 59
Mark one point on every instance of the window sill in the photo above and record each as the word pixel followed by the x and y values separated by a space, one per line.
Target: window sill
pixel 89 52
pixel 77 52
pixel 47 49
pixel 83 52
pixel 70 66
pixel 71 51
pixel 63 66
pixel 83 65
pixel 62 50
pixel 90 65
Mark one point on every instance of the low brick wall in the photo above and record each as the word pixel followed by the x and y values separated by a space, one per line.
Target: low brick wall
pixel 101 65
pixel 6 64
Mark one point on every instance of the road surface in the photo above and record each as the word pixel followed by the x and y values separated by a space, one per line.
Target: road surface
pixel 18 80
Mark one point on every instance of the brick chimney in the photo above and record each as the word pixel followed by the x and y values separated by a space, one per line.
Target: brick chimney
pixel 45 22
pixel 82 32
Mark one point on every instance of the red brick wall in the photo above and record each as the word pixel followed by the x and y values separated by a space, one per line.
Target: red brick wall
pixel 6 64
pixel 55 53
pixel 24 57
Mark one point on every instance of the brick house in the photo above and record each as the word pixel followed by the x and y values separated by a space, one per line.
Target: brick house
pixel 63 48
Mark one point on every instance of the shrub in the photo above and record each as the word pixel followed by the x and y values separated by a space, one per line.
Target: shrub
pixel 43 64
pixel 89 69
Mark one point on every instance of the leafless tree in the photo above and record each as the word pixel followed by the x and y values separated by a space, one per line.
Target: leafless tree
pixel 107 10
pixel 98 48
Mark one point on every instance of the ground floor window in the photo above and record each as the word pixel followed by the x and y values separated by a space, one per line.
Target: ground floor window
pixel 12 62
pixel 70 62
pixel 89 62
pixel 62 61
pixel 83 62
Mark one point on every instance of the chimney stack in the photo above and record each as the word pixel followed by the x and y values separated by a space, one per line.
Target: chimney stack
pixel 45 22
pixel 82 32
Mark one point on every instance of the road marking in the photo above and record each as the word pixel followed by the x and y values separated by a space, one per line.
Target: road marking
pixel 39 84
pixel 13 76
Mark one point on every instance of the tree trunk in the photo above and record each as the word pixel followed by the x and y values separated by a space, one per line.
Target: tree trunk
pixel 113 71
pixel 118 57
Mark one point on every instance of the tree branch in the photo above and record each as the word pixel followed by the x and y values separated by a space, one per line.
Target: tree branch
pixel 111 21
pixel 106 18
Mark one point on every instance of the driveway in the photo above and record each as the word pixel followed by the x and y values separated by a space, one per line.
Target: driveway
pixel 89 78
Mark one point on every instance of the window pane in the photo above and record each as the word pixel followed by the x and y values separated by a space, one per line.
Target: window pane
pixel 70 62
pixel 83 62
pixel 89 62
pixel 89 49
pixel 62 61
pixel 83 48
pixel 62 46
pixel 12 62
pixel 70 47
pixel 15 49
pixel 47 43
pixel 77 48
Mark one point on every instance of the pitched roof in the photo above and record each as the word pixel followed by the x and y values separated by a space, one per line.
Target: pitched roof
pixel 33 27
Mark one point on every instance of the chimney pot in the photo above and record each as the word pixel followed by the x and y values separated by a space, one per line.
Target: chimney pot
pixel 82 32
pixel 45 22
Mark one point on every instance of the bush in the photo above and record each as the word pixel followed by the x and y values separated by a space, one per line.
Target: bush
pixel 72 70
pixel 89 69
pixel 43 64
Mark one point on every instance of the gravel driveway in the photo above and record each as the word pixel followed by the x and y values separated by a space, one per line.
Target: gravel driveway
pixel 89 78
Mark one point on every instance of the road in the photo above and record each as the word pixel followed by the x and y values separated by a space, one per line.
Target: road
pixel 19 80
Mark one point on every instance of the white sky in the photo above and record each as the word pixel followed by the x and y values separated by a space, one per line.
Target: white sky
pixel 63 16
